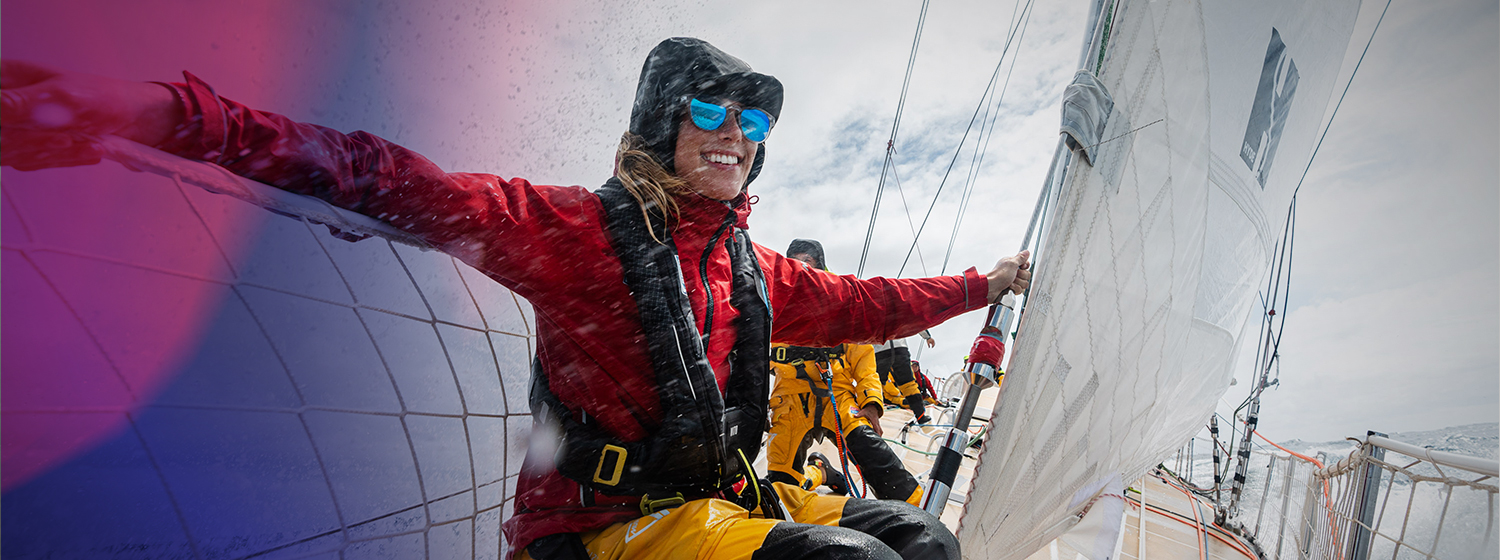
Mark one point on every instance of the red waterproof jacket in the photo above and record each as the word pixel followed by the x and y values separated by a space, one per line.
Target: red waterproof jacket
pixel 549 245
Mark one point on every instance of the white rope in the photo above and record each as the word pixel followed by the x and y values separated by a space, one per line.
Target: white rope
pixel 1361 456
pixel 1326 524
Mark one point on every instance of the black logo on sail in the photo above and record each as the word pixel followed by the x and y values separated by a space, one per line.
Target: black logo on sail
pixel 1273 100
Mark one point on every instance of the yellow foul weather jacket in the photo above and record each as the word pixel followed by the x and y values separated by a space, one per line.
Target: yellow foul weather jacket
pixel 855 383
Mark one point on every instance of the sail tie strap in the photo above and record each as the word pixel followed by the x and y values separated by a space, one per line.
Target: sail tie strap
pixel 1086 108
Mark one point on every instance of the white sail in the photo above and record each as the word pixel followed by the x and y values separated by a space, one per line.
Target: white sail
pixel 1153 252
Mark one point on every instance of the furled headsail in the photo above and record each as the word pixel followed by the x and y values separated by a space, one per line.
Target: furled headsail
pixel 1158 228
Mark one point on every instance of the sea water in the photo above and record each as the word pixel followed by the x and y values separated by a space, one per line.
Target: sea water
pixel 1412 512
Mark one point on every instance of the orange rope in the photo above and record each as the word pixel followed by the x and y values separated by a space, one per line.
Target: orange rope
pixel 1326 499
pixel 1198 523
pixel 1288 451
pixel 1202 530
pixel 1169 515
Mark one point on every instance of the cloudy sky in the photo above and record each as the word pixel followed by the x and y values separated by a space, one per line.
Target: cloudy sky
pixel 1393 323
pixel 1394 311
pixel 1394 294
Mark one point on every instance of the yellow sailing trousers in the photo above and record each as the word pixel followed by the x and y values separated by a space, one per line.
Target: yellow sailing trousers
pixel 794 429
pixel 818 526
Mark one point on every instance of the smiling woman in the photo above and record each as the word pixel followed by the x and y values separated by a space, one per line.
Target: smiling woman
pixel 654 312
pixel 716 162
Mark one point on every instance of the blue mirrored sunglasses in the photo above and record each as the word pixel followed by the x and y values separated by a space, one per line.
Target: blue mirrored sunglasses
pixel 755 123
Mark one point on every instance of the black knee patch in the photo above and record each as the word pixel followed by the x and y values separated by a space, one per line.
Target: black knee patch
pixel 881 467
pixel 800 541
pixel 906 529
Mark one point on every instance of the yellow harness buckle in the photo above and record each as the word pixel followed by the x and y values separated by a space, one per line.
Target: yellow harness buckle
pixel 779 354
pixel 619 465
pixel 650 506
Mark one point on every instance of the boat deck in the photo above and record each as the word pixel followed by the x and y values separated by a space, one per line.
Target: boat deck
pixel 1170 527
pixel 920 442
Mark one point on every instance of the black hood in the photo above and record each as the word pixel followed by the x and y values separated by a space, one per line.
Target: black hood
pixel 682 68
pixel 810 247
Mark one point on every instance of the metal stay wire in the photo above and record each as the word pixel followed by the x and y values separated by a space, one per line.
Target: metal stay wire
pixel 890 146
pixel 994 77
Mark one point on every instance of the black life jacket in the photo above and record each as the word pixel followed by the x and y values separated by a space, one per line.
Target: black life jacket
pixel 705 442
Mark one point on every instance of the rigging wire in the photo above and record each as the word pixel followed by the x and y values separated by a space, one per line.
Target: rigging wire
pixel 986 134
pixel 1279 272
pixel 890 145
pixel 1269 354
pixel 897 178
pixel 989 87
pixel 963 199
pixel 1336 106
pixel 1291 247
pixel 977 163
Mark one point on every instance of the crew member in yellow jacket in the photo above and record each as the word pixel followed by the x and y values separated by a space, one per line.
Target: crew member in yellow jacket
pixel 805 410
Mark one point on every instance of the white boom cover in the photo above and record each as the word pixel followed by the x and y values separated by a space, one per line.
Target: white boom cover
pixel 1152 258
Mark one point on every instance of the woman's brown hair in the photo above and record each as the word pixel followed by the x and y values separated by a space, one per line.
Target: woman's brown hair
pixel 646 180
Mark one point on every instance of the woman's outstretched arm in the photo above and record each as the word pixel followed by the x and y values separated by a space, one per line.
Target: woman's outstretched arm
pixel 818 308
pixel 50 118
pixel 504 227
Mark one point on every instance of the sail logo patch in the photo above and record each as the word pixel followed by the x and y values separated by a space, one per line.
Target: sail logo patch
pixel 1273 100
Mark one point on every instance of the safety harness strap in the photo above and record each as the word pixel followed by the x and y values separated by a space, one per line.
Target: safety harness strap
pixel 799 354
pixel 821 395
pixel 694 451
